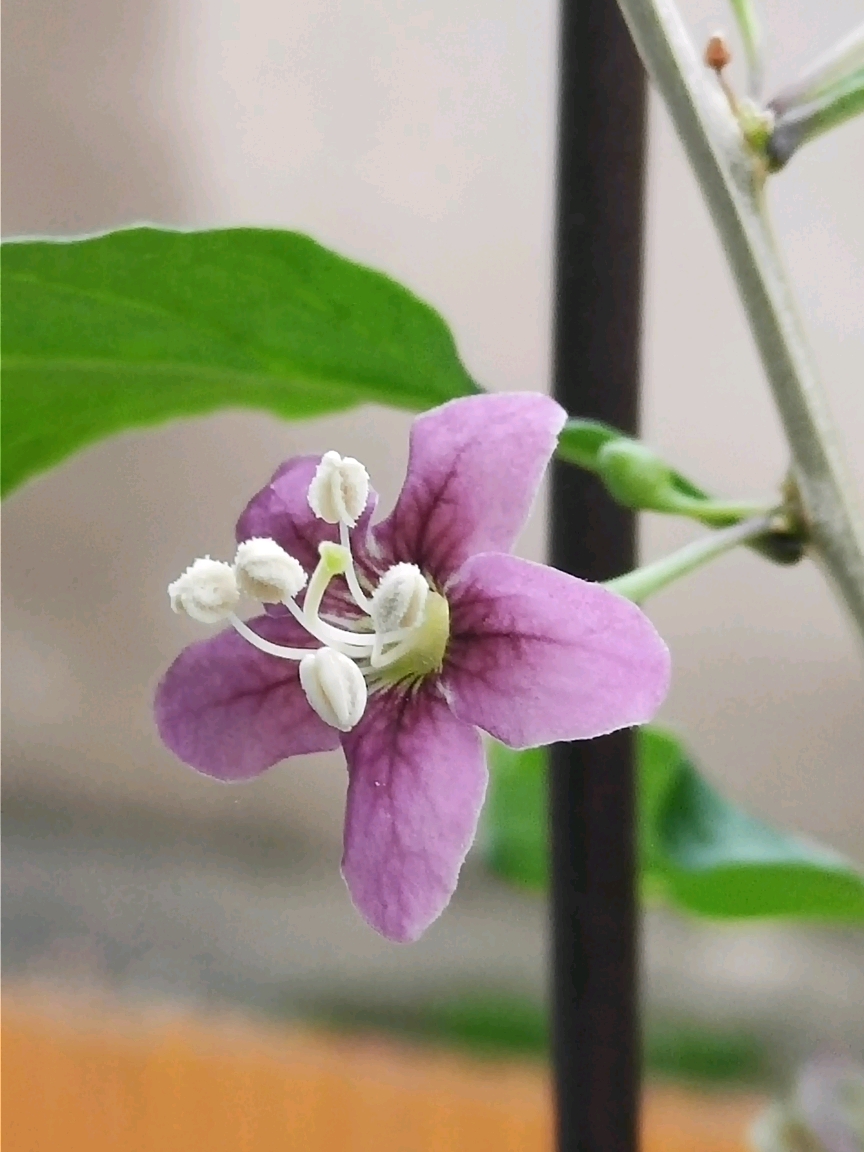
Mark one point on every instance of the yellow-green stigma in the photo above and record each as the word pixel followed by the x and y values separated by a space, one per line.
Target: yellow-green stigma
pixel 428 646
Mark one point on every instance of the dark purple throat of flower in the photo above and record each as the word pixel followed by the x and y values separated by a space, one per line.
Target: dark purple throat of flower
pixel 399 640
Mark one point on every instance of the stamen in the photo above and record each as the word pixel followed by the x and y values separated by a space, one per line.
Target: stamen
pixel 339 490
pixel 379 659
pixel 266 572
pixel 207 591
pixel 335 687
pixel 268 646
pixel 339 638
pixel 397 602
pixel 360 597
pixel 405 626
pixel 400 598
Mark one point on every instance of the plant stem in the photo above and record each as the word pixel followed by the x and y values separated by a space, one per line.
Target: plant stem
pixel 718 513
pixel 643 582
pixel 725 171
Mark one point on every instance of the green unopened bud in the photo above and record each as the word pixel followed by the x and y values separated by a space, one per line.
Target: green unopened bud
pixel 580 441
pixel 636 477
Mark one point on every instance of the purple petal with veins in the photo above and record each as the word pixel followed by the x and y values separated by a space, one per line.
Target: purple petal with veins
pixel 537 656
pixel 416 782
pixel 232 712
pixel 474 469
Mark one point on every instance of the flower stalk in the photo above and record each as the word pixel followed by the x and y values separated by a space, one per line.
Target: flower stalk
pixel 643 582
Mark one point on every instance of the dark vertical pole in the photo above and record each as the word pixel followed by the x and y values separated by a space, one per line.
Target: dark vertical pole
pixel 598 289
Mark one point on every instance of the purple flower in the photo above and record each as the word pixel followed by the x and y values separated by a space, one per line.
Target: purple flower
pixel 412 634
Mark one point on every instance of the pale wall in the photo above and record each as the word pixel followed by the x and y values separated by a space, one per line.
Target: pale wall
pixel 417 137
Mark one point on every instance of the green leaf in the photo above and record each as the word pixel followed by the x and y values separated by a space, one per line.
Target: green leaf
pixel 658 753
pixel 515 818
pixel 143 325
pixel 697 851
pixel 716 860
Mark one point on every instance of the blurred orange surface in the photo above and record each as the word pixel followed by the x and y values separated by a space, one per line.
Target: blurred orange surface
pixel 86 1076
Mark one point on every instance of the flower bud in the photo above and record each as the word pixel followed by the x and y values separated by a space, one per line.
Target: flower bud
pixel 334 686
pixel 399 599
pixel 339 489
pixel 717 54
pixel 207 591
pixel 266 572
pixel 634 475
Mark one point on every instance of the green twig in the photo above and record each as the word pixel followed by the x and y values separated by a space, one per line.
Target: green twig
pixel 724 168
pixel 643 582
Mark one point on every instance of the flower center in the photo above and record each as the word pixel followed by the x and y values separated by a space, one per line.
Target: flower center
pixel 399 637
pixel 423 654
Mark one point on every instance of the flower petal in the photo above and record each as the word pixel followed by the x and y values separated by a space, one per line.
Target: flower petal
pixel 417 779
pixel 537 656
pixel 473 472
pixel 281 512
pixel 231 711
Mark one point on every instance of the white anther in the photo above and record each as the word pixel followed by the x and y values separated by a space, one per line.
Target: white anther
pixel 399 599
pixel 334 686
pixel 339 489
pixel 207 591
pixel 266 572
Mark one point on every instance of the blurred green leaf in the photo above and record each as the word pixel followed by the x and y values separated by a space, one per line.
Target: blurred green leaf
pixel 516 817
pixel 691 1052
pixel 145 325
pixel 504 1024
pixel 697 851
pixel 489 1023
pixel 716 860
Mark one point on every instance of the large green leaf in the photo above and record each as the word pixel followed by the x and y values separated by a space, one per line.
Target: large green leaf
pixel 697 851
pixel 144 325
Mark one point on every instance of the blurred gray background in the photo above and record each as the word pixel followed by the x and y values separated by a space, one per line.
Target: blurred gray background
pixel 417 137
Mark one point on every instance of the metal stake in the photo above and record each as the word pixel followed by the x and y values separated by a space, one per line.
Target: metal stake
pixel 597 296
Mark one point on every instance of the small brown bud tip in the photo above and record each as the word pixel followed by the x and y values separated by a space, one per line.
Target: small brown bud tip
pixel 717 54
